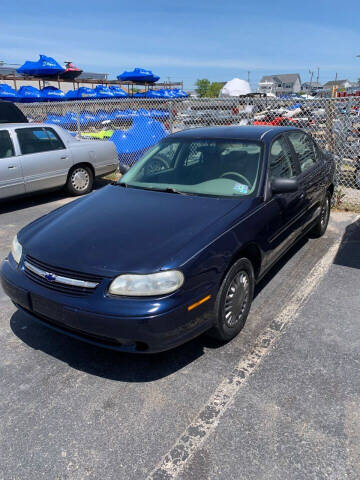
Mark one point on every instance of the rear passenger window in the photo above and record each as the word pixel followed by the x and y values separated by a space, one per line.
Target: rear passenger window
pixel 36 140
pixel 54 138
pixel 281 164
pixel 304 148
pixel 6 145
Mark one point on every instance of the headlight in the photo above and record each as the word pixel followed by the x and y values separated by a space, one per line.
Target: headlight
pixel 147 285
pixel 16 249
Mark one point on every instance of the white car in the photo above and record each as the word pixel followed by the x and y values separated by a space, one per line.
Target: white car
pixel 36 157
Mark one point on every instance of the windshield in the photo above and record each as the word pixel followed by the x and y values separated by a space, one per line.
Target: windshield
pixel 200 167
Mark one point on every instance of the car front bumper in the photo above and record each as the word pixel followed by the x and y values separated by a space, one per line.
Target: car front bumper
pixel 94 319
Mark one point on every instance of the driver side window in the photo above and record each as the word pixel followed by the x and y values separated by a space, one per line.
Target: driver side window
pixel 281 163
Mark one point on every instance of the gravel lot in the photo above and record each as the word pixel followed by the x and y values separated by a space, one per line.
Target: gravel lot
pixel 280 401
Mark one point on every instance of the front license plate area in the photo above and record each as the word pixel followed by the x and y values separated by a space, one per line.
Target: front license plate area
pixel 47 308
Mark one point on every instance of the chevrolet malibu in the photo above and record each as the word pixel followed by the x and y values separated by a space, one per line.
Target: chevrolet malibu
pixel 176 247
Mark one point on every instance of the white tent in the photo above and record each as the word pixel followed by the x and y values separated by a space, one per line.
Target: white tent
pixel 235 88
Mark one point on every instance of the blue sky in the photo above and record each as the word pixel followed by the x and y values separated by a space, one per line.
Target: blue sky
pixel 189 39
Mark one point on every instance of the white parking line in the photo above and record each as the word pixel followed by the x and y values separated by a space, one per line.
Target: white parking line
pixel 207 420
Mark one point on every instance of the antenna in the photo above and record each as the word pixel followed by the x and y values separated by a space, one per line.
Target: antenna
pixel 311 77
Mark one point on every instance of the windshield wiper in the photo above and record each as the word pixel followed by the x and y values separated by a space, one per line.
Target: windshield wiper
pixel 121 184
pixel 173 190
pixel 154 189
pixel 166 190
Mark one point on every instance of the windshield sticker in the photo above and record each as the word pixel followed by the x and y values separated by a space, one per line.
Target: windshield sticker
pixel 240 188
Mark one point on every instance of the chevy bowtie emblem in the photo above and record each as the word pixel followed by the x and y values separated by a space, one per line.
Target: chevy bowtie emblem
pixel 50 277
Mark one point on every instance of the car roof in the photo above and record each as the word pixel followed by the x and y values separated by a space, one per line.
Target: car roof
pixel 23 125
pixel 248 132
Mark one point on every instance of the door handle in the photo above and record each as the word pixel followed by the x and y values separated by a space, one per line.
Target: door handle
pixel 64 157
pixel 12 166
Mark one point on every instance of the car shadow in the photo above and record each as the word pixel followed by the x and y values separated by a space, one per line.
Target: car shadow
pixel 42 198
pixel 348 254
pixel 122 366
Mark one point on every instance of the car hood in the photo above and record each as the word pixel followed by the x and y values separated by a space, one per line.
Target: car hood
pixel 117 229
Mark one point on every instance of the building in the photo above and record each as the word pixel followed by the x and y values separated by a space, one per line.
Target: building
pixel 338 84
pixel 310 87
pixel 282 84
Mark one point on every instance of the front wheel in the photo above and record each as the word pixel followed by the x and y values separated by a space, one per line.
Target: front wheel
pixel 80 180
pixel 234 300
pixel 322 223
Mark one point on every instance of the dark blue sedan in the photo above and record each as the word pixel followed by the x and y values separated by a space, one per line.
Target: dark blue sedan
pixel 176 247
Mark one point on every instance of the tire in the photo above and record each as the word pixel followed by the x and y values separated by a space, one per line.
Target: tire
pixel 322 223
pixel 232 306
pixel 80 180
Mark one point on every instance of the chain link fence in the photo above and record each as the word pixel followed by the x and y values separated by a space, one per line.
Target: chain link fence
pixel 134 125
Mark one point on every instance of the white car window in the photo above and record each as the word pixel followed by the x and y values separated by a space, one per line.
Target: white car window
pixel 6 145
pixel 38 139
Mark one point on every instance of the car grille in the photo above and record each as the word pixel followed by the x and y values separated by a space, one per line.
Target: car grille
pixel 60 287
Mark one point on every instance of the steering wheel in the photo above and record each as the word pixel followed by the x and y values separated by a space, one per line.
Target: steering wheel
pixel 236 174
pixel 156 164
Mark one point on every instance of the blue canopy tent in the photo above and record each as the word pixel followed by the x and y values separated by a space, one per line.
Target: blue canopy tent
pixel 44 67
pixel 132 143
pixel 51 94
pixel 138 75
pixel 8 93
pixel 117 91
pixel 29 94
pixel 81 93
pixel 103 92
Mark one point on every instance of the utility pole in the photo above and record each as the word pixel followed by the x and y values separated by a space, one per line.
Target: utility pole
pixel 248 73
pixel 311 77
pixel 318 75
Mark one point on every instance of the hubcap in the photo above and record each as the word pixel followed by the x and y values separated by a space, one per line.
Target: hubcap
pixel 80 179
pixel 236 300
pixel 325 212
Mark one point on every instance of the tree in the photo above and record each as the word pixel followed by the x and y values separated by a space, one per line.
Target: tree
pixel 214 89
pixel 205 88
pixel 202 86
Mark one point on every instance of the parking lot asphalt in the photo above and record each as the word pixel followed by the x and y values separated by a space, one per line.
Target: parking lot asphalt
pixel 279 401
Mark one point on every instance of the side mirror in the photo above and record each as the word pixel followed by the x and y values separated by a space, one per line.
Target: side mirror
pixel 123 168
pixel 284 185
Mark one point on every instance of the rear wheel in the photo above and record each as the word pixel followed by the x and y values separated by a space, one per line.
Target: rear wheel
pixel 322 223
pixel 80 180
pixel 234 300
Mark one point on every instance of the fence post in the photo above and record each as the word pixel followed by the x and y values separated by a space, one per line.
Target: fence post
pixel 78 120
pixel 171 119
pixel 329 131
